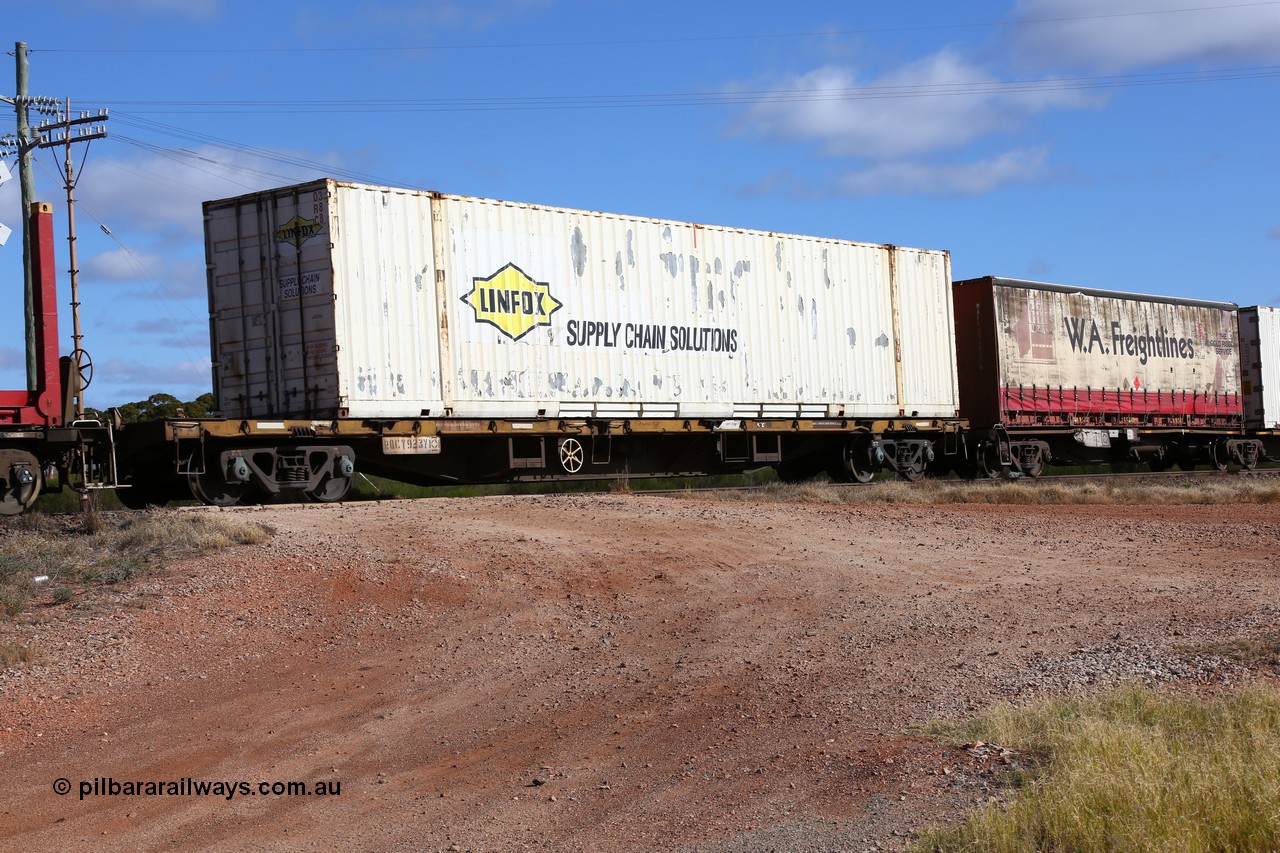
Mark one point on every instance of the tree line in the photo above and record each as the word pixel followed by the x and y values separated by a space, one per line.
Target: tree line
pixel 159 407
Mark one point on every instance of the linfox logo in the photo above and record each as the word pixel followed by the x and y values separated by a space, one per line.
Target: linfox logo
pixel 298 231
pixel 512 301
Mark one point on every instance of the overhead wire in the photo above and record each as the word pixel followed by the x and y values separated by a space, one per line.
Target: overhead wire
pixel 749 97
pixel 147 275
pixel 265 154
pixel 1008 22
pixel 133 114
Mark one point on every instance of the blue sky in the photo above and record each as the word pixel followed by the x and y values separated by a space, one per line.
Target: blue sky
pixel 1119 144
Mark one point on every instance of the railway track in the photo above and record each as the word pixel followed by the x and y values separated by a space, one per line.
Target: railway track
pixel 1257 473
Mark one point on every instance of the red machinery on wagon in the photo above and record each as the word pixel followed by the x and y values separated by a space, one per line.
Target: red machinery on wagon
pixel 39 436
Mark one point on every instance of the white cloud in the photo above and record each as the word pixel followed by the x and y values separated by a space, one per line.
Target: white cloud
pixel 170 202
pixel 1104 39
pixel 176 276
pixel 921 178
pixel 121 265
pixel 892 127
pixel 163 194
pixel 190 336
pixel 149 374
pixel 941 102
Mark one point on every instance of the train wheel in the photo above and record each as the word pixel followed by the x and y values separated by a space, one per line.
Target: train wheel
pixel 855 465
pixel 914 471
pixel 331 490
pixel 212 489
pixel 16 495
pixel 571 455
pixel 1034 469
pixel 989 461
pixel 1217 457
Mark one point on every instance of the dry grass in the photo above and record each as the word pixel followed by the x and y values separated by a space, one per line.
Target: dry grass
pixel 1192 490
pixel 1254 652
pixel 1134 770
pixel 12 654
pixel 76 552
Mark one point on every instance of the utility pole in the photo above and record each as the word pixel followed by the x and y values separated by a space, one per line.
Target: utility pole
pixel 79 358
pixel 25 143
pixel 28 184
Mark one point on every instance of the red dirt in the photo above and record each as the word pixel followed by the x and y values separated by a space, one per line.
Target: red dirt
pixel 600 672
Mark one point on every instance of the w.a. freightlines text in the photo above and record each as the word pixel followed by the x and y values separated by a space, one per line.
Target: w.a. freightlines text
pixel 1085 336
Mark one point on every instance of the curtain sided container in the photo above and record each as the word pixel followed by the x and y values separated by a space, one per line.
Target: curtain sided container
pixel 1037 354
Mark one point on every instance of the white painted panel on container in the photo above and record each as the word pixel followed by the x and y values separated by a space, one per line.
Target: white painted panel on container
pixel 926 332
pixel 326 301
pixel 1260 366
pixel 1073 340
pixel 386 310
pixel 562 306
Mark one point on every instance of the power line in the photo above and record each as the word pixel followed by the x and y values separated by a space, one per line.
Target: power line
pixel 265 154
pixel 677 99
pixel 160 287
pixel 1012 22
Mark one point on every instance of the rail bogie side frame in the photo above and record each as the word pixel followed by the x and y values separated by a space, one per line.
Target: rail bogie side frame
pixel 229 461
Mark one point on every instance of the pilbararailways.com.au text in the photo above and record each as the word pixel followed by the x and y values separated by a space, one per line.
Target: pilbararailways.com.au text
pixel 107 786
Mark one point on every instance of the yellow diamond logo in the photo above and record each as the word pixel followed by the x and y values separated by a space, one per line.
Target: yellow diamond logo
pixel 512 301
pixel 298 231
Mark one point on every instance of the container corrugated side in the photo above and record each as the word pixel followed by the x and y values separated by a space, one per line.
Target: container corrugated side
pixel 1260 366
pixel 570 312
pixel 323 302
pixel 271 312
pixel 386 306
pixel 1063 350
pixel 926 333
pixel 331 299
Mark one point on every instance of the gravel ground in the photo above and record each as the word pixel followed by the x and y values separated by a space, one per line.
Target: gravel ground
pixel 608 672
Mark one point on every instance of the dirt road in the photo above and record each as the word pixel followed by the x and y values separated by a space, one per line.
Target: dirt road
pixel 615 672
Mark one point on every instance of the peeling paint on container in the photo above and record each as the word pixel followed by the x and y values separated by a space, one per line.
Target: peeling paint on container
pixel 1045 349
pixel 497 309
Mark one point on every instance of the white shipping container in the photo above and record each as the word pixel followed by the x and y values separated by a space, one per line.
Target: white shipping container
pixel 336 299
pixel 1260 366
